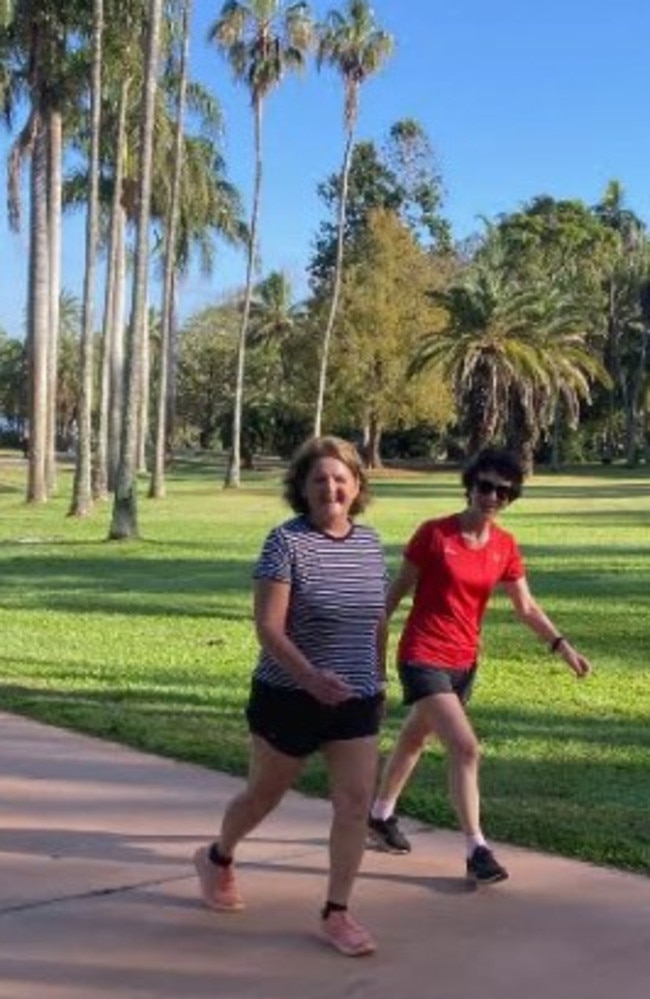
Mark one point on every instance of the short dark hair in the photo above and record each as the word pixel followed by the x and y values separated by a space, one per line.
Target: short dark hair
pixel 505 463
pixel 308 454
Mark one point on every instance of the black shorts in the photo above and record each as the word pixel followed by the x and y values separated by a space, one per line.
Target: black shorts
pixel 419 680
pixel 295 723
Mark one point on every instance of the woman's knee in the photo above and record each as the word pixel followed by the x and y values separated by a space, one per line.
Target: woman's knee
pixel 348 808
pixel 352 802
pixel 466 751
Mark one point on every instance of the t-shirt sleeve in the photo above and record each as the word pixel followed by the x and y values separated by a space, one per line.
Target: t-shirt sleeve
pixel 418 549
pixel 274 561
pixel 514 567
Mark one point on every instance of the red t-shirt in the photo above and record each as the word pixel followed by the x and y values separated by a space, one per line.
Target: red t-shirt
pixel 453 588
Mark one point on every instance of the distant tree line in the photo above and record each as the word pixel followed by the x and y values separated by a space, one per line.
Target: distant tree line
pixel 533 333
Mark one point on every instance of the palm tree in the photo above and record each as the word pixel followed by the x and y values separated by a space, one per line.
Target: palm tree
pixel 124 522
pixel 356 48
pixel 274 316
pixel 509 349
pixel 33 43
pixel 112 339
pixel 157 484
pixel 81 491
pixel 261 40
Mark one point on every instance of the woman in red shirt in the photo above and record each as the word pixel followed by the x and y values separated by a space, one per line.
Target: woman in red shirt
pixel 453 564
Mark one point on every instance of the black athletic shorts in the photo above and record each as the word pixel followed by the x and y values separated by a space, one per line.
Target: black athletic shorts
pixel 419 680
pixel 295 723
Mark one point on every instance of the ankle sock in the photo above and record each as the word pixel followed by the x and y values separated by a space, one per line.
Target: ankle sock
pixel 382 810
pixel 478 839
pixel 332 907
pixel 218 858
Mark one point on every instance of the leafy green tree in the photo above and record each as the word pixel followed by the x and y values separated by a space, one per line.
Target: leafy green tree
pixel 411 159
pixel 261 40
pixel 384 309
pixel 356 47
pixel 13 383
pixel 627 346
pixel 401 177
pixel 207 360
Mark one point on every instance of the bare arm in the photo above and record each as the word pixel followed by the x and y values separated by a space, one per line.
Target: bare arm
pixel 271 610
pixel 403 583
pixel 382 647
pixel 531 614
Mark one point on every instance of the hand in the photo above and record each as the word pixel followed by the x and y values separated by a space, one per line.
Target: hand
pixel 580 666
pixel 327 687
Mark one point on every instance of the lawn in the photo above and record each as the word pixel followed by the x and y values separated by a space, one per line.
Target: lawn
pixel 150 642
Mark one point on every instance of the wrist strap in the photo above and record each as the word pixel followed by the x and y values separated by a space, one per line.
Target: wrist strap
pixel 556 643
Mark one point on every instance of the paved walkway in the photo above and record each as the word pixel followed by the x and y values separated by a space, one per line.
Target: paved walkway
pixel 98 898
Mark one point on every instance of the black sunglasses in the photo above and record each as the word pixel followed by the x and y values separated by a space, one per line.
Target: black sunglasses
pixel 506 494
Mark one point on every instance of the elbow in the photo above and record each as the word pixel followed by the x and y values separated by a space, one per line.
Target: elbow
pixel 262 631
pixel 527 612
pixel 268 635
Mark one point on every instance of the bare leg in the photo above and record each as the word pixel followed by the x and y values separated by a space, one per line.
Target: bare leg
pixel 440 715
pixel 413 737
pixel 352 766
pixel 271 774
pixel 453 728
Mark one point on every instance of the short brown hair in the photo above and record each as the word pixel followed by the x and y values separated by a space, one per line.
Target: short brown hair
pixel 305 458
pixel 505 463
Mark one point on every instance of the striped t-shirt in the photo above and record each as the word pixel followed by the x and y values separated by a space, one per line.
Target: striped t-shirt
pixel 338 590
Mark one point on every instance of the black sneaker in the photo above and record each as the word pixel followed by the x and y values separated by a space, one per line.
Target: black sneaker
pixel 386 835
pixel 483 868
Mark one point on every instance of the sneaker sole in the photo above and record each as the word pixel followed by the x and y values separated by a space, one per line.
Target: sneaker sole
pixel 348 951
pixel 497 879
pixel 375 841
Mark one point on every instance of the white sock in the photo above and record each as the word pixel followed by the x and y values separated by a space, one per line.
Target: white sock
pixel 474 840
pixel 382 809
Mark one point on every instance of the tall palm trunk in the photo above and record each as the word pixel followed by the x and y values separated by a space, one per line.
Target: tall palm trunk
pixel 55 152
pixel 101 467
pixel 172 366
pixel 157 484
pixel 143 394
pixel 117 352
pixel 233 472
pixel 38 315
pixel 81 491
pixel 336 290
pixel 124 522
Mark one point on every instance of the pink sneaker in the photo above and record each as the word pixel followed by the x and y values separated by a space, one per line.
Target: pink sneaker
pixel 347 935
pixel 218 884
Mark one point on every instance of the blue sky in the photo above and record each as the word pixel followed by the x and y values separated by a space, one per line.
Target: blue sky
pixel 519 98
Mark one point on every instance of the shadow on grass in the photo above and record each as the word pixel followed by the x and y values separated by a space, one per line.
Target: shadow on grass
pixel 116 585
pixel 405 489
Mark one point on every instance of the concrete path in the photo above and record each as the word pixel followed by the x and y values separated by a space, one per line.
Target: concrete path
pixel 98 898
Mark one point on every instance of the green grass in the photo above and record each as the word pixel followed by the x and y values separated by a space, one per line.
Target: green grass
pixel 150 642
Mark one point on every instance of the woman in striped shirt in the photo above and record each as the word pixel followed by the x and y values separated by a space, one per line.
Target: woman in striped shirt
pixel 320 586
